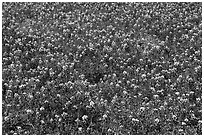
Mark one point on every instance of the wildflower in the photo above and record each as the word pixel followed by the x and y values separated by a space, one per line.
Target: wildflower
pixel 92 103
pixel 176 63
pixel 125 92
pixel 77 120
pixel 8 105
pixel 88 129
pixel 174 117
pixel 170 99
pixel 30 96
pixel 84 117
pixel 165 103
pixel 18 127
pixel 143 76
pixel 180 130
pixel 198 99
pixel 156 96
pixel 87 93
pixel 16 95
pixel 42 108
pixel 199 122
pixel 104 116
pixel 125 72
pixel 60 119
pixel 75 106
pixel 177 93
pixel 51 120
pixel 135 120
pixel 156 120
pixel 80 129
pixel 42 88
pixel 123 102
pixel 72 98
pixel 29 111
pixel 142 108
pixel 58 95
pixel 6 118
pixel 114 75
pixel 114 99
pixel 161 108
pixel 42 121
pixel 64 114
pixel 152 88
pixel 117 85
pixel 121 126
pixel 57 116
pixel 139 94
pixel 37 113
pixel 109 130
pixel 128 82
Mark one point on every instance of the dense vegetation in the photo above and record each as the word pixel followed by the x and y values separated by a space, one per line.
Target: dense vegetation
pixel 102 68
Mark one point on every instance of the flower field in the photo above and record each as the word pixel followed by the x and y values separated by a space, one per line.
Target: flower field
pixel 103 68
